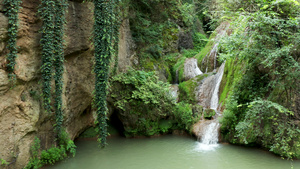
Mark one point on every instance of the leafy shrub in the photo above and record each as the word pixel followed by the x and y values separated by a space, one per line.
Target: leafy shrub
pixel 199 41
pixel 268 122
pixel 184 116
pixel 51 155
pixel 3 162
pixel 264 37
pixel 209 113
pixel 188 53
pixel 144 99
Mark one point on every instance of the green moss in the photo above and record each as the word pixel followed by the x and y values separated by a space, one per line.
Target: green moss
pixel 200 56
pixel 233 72
pixel 197 110
pixel 168 74
pixel 148 64
pixel 187 89
pixel 89 133
pixel 179 67
pixel 209 113
pixel 184 116
pixel 165 125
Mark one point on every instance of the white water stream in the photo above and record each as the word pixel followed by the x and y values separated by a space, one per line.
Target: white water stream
pixel 210 131
pixel 214 102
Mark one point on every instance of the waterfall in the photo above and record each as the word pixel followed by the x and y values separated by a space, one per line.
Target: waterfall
pixel 214 102
pixel 209 133
pixel 209 136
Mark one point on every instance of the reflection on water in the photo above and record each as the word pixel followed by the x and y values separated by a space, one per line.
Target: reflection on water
pixel 169 152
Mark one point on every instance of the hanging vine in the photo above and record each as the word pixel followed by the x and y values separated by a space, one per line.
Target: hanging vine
pixel 60 8
pixel 11 9
pixel 46 12
pixel 103 34
pixel 52 13
pixel 115 13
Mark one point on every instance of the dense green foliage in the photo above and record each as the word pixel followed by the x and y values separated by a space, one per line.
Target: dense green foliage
pixel 147 102
pixel 11 9
pixel 144 97
pixel 187 89
pixel 269 122
pixel 52 14
pixel 156 25
pixel 60 10
pixel 52 155
pixel 105 18
pixel 265 38
pixel 47 12
pixel 116 13
pixel 209 113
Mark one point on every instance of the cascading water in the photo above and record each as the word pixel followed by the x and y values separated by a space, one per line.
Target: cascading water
pixel 214 102
pixel 209 133
pixel 209 137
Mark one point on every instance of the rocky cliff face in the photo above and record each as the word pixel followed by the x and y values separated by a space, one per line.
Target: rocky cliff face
pixel 21 113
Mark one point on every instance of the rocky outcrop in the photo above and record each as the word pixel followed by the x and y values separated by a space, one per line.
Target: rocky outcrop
pixel 191 69
pixel 21 114
pixel 185 41
pixel 126 56
pixel 209 62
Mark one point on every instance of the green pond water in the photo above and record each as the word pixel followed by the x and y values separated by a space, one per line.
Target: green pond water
pixel 170 152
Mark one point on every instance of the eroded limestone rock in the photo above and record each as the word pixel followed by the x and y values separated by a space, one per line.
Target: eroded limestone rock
pixel 191 69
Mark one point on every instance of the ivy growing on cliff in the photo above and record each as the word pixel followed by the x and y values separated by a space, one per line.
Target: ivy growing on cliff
pixel 52 12
pixel 60 8
pixel 103 32
pixel 115 12
pixel 11 9
pixel 46 12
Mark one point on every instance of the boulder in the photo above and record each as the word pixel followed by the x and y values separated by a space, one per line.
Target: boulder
pixel 191 69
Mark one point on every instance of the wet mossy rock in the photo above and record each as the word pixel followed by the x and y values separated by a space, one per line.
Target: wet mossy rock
pixel 209 113
pixel 89 133
pixel 160 66
pixel 187 89
pixel 197 110
pixel 233 72
pixel 207 57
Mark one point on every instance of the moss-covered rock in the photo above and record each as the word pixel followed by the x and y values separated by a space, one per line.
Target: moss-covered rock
pixel 233 72
pixel 207 57
pixel 161 67
pixel 89 133
pixel 209 113
pixel 187 89
pixel 204 63
pixel 197 110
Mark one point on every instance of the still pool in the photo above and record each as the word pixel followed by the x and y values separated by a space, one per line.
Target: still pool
pixel 170 152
